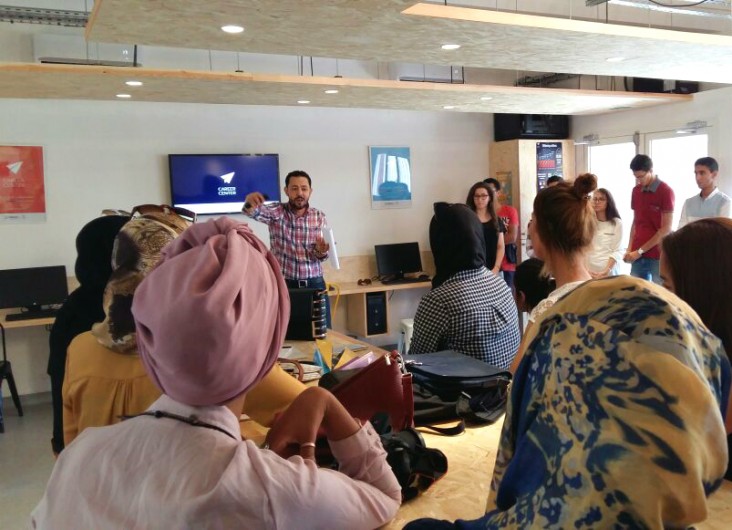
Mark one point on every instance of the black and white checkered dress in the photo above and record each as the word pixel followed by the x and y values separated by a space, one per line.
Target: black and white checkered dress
pixel 474 313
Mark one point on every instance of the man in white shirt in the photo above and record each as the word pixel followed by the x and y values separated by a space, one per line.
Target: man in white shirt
pixel 710 202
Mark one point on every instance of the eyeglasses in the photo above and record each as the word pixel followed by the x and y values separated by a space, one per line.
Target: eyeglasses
pixel 599 199
pixel 480 196
pixel 144 209
pixel 364 281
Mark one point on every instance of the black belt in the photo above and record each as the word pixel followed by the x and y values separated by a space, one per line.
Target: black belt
pixel 307 282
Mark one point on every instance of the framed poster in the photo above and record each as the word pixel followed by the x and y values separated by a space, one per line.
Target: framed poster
pixel 548 162
pixel 390 177
pixel 22 189
pixel 506 180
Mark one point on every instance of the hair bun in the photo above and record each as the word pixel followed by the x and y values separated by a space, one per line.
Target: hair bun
pixel 585 184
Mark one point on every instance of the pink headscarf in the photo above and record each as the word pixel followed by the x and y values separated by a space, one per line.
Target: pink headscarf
pixel 212 316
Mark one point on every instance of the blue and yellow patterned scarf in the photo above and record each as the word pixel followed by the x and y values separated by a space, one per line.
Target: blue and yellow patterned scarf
pixel 615 417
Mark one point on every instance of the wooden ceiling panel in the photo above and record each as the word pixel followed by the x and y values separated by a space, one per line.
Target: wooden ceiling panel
pixel 379 30
pixel 103 83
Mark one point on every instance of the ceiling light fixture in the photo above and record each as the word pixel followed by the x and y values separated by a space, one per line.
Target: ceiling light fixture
pixel 232 29
pixel 124 96
pixel 450 46
pixel 331 91
pixel 615 59
pixel 448 107
pixel 303 101
pixel 486 98
pixel 133 83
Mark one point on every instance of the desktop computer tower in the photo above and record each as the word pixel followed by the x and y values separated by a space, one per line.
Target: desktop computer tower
pixel 376 316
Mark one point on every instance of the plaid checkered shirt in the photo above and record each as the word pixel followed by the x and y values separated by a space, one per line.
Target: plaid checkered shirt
pixel 292 239
pixel 473 313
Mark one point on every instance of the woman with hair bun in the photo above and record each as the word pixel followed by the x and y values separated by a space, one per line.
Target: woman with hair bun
pixel 562 228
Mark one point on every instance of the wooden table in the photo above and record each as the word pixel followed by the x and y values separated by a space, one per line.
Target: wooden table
pixel 47 321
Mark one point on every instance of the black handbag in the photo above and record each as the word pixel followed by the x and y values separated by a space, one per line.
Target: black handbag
pixel 449 385
pixel 511 253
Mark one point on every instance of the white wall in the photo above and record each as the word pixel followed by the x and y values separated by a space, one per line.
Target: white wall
pixel 113 155
pixel 713 106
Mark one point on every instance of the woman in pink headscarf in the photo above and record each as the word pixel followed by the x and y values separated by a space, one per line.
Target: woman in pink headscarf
pixel 210 321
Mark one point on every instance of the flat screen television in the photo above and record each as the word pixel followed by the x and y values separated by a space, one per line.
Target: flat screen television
pixel 217 184
pixel 393 260
pixel 33 289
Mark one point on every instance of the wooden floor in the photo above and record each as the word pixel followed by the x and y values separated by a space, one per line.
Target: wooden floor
pixel 462 493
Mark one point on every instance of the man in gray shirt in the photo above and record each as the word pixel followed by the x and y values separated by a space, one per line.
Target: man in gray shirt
pixel 710 202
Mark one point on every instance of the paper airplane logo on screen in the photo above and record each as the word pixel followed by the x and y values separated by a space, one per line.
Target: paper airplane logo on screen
pixel 15 167
pixel 227 178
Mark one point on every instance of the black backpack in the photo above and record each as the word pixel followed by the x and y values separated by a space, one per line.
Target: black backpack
pixel 452 386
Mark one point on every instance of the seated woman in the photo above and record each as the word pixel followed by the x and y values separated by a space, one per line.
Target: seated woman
pixel 695 264
pixel 481 199
pixel 210 323
pixel 104 376
pixel 469 309
pixel 605 253
pixel 562 227
pixel 614 419
pixel 531 284
pixel 83 307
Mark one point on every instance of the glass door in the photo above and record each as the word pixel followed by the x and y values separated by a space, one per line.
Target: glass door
pixel 673 161
pixel 610 161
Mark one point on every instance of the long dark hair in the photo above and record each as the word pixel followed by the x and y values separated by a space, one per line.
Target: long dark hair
pixel 470 201
pixel 698 256
pixel 611 211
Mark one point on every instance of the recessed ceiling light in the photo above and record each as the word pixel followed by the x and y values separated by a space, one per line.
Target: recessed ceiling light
pixel 124 96
pixel 303 101
pixel 232 29
pixel 133 83
pixel 448 107
pixel 331 91
pixel 450 46
pixel 615 59
pixel 486 98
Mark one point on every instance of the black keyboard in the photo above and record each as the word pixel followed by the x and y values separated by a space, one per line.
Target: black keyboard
pixel 30 315
pixel 405 280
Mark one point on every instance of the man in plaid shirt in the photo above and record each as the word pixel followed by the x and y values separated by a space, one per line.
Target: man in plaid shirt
pixel 295 233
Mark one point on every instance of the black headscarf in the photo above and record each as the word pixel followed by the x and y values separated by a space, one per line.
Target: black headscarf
pixel 84 306
pixel 456 238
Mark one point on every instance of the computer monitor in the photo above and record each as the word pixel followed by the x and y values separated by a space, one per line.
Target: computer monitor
pixel 33 287
pixel 394 260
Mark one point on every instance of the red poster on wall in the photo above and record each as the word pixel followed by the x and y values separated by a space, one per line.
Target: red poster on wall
pixel 22 190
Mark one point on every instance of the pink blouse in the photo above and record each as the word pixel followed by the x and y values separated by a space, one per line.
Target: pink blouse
pixel 162 473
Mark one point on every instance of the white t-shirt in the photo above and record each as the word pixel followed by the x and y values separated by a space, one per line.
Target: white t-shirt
pixel 605 245
pixel 543 306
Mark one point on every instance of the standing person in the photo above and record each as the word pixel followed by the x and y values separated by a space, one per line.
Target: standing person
pixel 695 263
pixel 295 233
pixel 710 202
pixel 210 322
pixel 510 218
pixel 481 199
pixel 653 209
pixel 605 254
pixel 553 181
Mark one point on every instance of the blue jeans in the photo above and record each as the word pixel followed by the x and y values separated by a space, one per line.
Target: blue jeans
pixel 646 268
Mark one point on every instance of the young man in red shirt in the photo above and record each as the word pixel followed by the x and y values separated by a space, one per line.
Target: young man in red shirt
pixel 653 208
pixel 510 218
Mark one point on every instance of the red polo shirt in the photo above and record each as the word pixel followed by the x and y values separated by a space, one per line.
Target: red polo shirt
pixel 648 204
pixel 509 216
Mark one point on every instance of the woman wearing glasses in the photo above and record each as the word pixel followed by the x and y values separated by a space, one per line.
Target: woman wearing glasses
pixel 481 199
pixel 605 252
